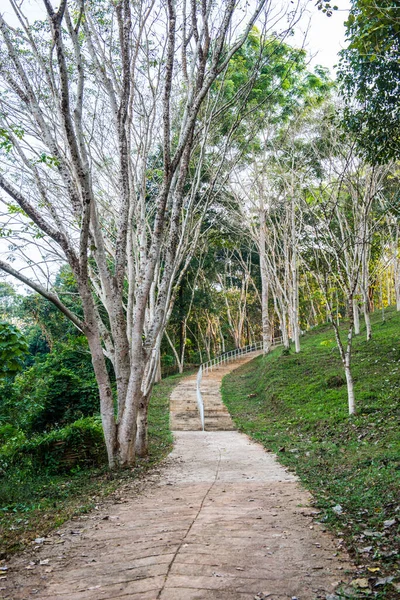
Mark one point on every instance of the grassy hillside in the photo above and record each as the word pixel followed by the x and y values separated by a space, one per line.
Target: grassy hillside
pixel 296 406
pixel 33 501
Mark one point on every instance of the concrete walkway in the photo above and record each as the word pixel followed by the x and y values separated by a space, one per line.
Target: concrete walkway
pixel 222 521
pixel 184 414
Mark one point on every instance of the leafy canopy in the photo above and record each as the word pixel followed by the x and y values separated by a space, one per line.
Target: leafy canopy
pixel 370 78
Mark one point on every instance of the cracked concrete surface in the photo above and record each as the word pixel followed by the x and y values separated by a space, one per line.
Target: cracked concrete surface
pixel 221 521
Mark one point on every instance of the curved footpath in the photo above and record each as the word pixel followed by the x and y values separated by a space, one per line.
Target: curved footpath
pixel 222 520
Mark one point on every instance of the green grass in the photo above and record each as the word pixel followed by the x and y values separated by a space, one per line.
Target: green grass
pixel 296 406
pixel 33 503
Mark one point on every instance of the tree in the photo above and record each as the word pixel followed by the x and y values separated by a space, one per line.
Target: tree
pixel 271 184
pixel 340 236
pixel 105 131
pixel 369 74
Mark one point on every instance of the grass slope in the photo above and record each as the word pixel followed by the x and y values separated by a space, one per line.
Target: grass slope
pixel 296 406
pixel 31 504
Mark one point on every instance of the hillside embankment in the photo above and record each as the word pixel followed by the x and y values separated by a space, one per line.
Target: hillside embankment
pixel 296 406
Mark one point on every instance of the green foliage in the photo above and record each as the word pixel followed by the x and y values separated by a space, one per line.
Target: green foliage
pixel 10 302
pixel 266 83
pixel 370 75
pixel 10 435
pixel 13 350
pixel 296 406
pixel 53 324
pixel 326 7
pixel 58 389
pixel 78 445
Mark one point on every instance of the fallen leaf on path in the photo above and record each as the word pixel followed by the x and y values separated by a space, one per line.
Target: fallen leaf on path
pixel 360 583
pixel 370 533
pixel 389 523
pixel 366 549
pixel 383 581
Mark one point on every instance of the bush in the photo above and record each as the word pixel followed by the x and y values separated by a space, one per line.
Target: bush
pixel 13 350
pixel 9 434
pixel 78 445
pixel 58 389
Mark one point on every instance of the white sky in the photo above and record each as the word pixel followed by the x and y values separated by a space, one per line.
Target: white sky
pixel 325 35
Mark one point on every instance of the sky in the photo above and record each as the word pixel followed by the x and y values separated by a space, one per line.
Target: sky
pixel 325 35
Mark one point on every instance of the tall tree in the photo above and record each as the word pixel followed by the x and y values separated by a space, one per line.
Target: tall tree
pixel 370 74
pixel 105 129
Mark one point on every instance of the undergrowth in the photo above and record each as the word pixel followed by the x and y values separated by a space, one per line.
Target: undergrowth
pixel 40 487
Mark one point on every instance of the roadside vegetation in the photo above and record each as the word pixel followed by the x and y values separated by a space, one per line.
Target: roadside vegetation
pixel 47 478
pixel 295 405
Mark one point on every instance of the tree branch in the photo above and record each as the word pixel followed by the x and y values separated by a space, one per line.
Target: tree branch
pixel 45 293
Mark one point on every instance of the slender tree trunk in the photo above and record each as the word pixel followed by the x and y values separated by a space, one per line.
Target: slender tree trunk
pixel 158 376
pixel 266 329
pixel 285 332
pixel 396 271
pixel 365 283
pixel 295 284
pixel 142 442
pixel 367 318
pixel 179 359
pixel 356 314
pixel 345 355
pixel 221 337
pixel 350 386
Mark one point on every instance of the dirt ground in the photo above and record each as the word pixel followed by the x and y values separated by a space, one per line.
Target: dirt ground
pixel 220 520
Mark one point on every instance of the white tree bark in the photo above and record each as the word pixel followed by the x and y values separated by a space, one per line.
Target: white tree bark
pixel 100 168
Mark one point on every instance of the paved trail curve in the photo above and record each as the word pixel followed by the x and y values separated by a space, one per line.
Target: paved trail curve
pixel 223 521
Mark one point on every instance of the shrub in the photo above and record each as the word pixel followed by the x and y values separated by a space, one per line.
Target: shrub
pixel 58 389
pixel 13 350
pixel 78 445
pixel 9 434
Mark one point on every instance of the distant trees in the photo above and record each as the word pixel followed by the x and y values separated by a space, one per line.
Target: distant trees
pixel 270 185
